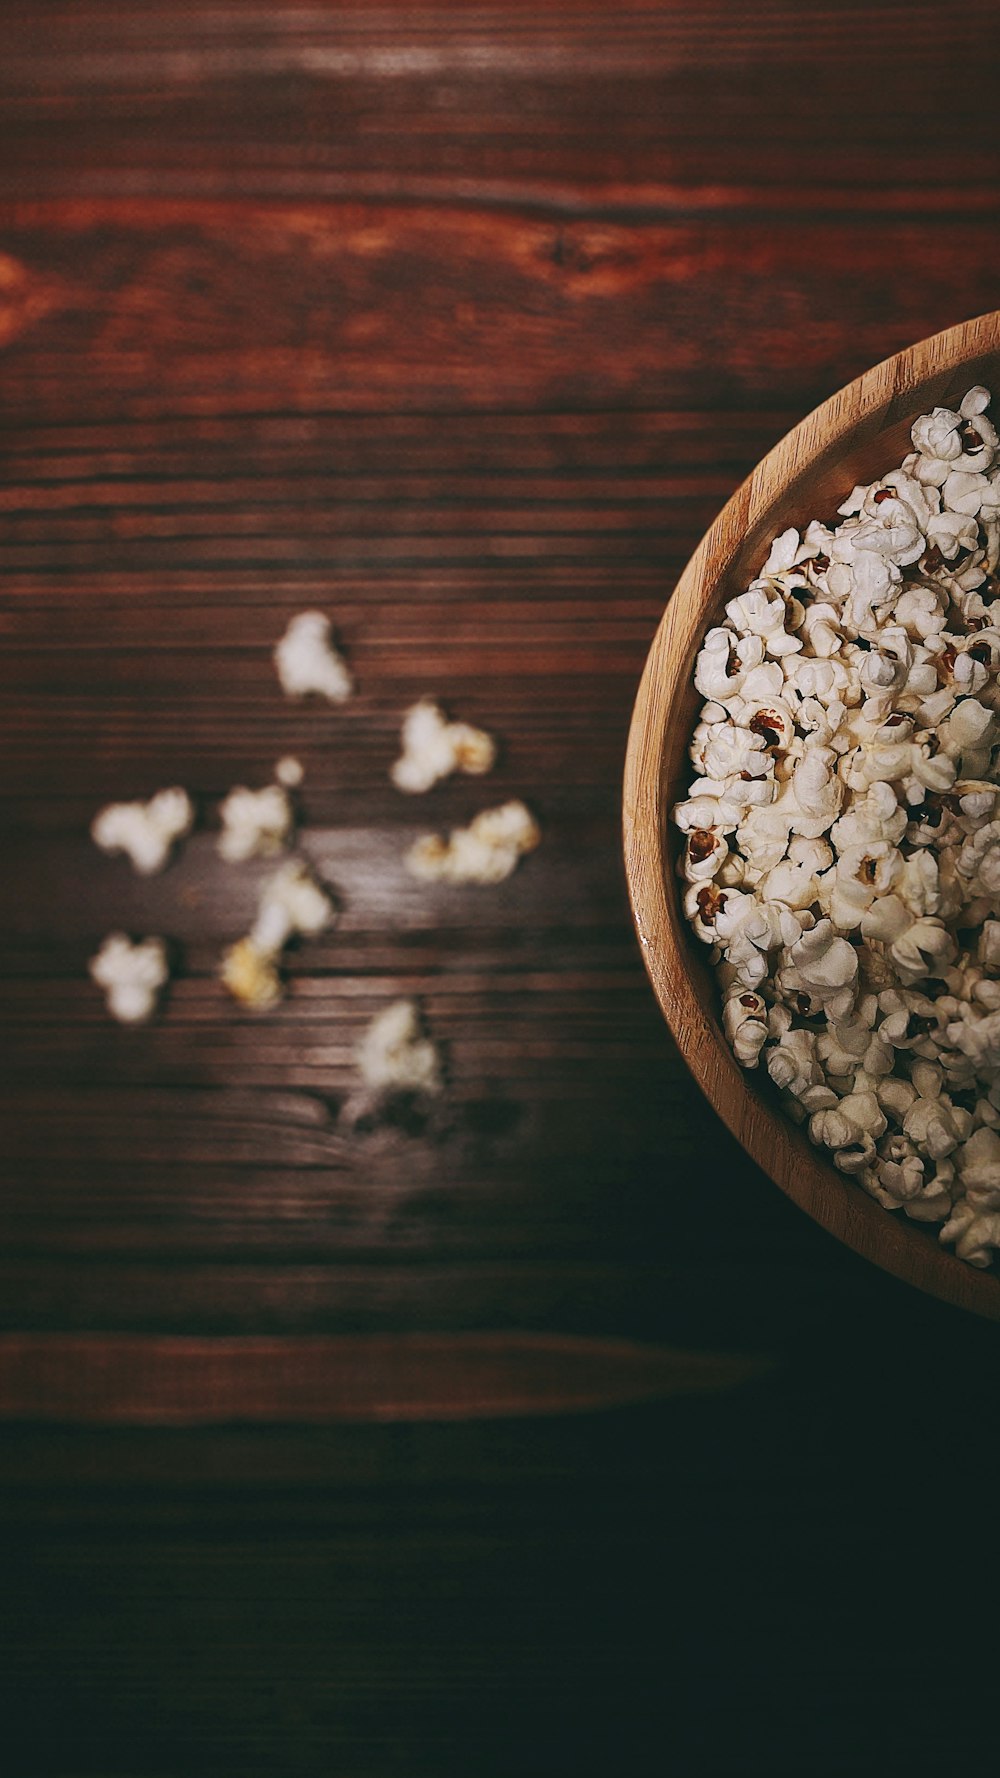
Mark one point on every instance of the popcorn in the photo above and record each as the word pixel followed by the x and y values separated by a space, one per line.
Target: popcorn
pixel 307 660
pixel 489 849
pixel 292 902
pixel 254 822
pixel 394 1056
pixel 131 976
pixel 147 832
pixel 289 772
pixel 433 747
pixel 822 970
pixel 842 836
pixel 974 1233
pixel 745 1021
pixel 250 975
pixel 763 612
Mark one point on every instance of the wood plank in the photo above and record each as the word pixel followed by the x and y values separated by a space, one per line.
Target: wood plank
pixel 504 104
pixel 119 306
pixel 186 1381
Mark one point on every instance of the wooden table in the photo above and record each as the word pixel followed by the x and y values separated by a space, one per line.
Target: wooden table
pixel 529 1431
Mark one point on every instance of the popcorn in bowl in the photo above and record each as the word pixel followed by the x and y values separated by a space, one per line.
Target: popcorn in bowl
pixel 841 852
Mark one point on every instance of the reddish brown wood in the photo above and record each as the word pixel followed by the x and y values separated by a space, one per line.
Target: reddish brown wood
pixel 481 417
pixel 462 323
pixel 185 1381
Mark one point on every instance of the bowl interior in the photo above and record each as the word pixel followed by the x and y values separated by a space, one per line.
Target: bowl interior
pixel 855 437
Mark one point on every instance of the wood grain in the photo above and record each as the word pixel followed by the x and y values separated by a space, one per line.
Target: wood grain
pixel 461 323
pixel 185 1381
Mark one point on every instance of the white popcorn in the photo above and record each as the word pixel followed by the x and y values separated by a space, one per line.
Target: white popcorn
pixel 289 772
pixel 848 1045
pixel 394 1056
pixel 979 859
pixel 857 1120
pixel 920 611
pixel 925 948
pixel 935 1126
pixel 704 855
pixel 971 494
pixel 433 747
pixel 936 435
pixel 822 968
pixel 950 532
pixel 792 1062
pixel 308 662
pixel 291 903
pixel 718 673
pixel 787 552
pixel 131 976
pixel 842 835
pixel 795 881
pixel 745 1021
pixel 254 822
pixel 900 1172
pixel 147 832
pixel 763 612
pixel 975 1233
pixel 486 851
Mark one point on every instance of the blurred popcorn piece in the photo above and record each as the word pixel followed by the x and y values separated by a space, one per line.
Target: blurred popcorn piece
pixel 289 772
pixel 255 823
pixel 307 660
pixel 292 902
pixel 250 975
pixel 131 976
pixel 145 831
pixel 486 851
pixel 433 747
pixel 395 1056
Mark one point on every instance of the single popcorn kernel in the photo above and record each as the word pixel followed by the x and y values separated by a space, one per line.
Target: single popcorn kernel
pixel 487 851
pixel 131 975
pixel 307 662
pixel 291 903
pixel 250 975
pixel 146 832
pixel 841 838
pixel 433 748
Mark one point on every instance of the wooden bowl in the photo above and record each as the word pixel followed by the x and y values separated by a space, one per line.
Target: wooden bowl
pixel 856 436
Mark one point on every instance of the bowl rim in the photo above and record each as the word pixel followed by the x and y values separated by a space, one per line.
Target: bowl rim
pixel 868 405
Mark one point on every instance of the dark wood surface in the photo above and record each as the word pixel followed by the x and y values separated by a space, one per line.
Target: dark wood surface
pixel 533 1432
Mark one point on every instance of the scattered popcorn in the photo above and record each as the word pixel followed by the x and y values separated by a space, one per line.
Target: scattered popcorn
pixel 131 976
pixel 292 902
pixel 145 831
pixel 433 747
pixel 486 851
pixel 394 1055
pixel 307 660
pixel 254 823
pixel 842 833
